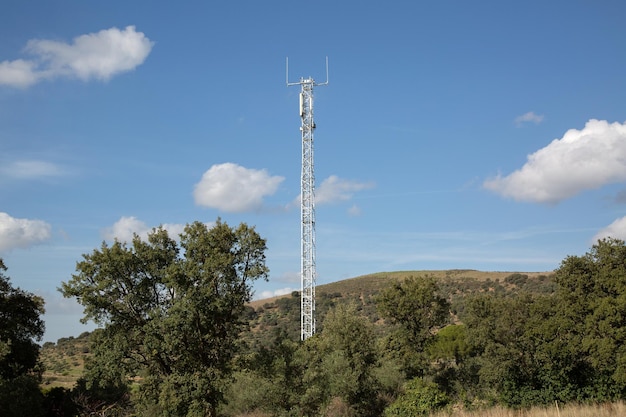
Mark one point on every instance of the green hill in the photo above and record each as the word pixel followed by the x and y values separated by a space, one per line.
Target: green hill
pixel 64 361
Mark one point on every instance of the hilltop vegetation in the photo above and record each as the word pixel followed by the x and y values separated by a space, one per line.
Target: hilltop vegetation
pixel 64 360
pixel 283 313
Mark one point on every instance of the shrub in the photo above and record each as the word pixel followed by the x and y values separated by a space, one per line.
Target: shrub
pixel 419 399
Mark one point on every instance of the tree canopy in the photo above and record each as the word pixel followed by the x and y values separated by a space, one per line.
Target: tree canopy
pixel 568 346
pixel 418 309
pixel 170 312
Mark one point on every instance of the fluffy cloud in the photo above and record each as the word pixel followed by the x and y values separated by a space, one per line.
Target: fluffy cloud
pixel 21 233
pixel 98 56
pixel 334 189
pixel 529 117
pixel 617 230
pixel 126 227
pixel 233 188
pixel 581 160
pixel 30 169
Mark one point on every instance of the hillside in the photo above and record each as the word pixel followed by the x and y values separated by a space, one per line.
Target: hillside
pixel 64 360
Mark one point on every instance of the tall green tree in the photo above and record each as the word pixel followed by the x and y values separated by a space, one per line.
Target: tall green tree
pixel 418 309
pixel 498 332
pixel 20 371
pixel 170 313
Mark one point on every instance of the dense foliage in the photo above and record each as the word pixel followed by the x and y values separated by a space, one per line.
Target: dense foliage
pixel 172 341
pixel 568 346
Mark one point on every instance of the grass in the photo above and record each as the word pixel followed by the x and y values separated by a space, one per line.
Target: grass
pixel 572 410
pixel 600 410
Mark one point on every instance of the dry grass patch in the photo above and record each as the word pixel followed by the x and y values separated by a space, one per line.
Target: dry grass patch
pixel 600 410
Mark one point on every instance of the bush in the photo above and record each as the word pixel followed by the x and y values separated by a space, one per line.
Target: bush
pixel 419 399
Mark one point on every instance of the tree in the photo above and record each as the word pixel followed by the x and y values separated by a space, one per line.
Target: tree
pixel 339 365
pixel 170 313
pixel 20 371
pixel 268 378
pixel 450 345
pixel 592 314
pixel 500 331
pixel 569 346
pixel 447 353
pixel 417 308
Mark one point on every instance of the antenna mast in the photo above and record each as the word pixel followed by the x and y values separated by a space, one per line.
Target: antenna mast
pixel 307 207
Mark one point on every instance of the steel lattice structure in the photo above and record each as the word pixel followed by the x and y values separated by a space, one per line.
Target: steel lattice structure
pixel 307 207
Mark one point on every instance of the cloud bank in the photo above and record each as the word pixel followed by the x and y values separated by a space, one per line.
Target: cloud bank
pixel 581 160
pixel 21 233
pixel 97 56
pixel 232 188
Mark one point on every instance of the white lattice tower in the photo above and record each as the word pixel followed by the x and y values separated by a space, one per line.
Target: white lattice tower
pixel 307 207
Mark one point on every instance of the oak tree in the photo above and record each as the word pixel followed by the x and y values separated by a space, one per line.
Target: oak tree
pixel 170 312
pixel 418 310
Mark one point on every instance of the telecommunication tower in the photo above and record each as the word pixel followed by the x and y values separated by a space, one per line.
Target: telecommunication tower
pixel 307 205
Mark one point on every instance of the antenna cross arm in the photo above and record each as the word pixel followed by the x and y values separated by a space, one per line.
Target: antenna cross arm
pixel 309 80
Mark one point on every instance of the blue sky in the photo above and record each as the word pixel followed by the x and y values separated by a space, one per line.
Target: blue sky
pixel 485 135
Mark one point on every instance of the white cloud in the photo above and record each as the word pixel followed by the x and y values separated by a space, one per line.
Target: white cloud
pixel 233 188
pixel 529 117
pixel 21 233
pixel 581 160
pixel 31 169
pixel 126 227
pixel 334 189
pixel 616 230
pixel 98 56
pixel 273 293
